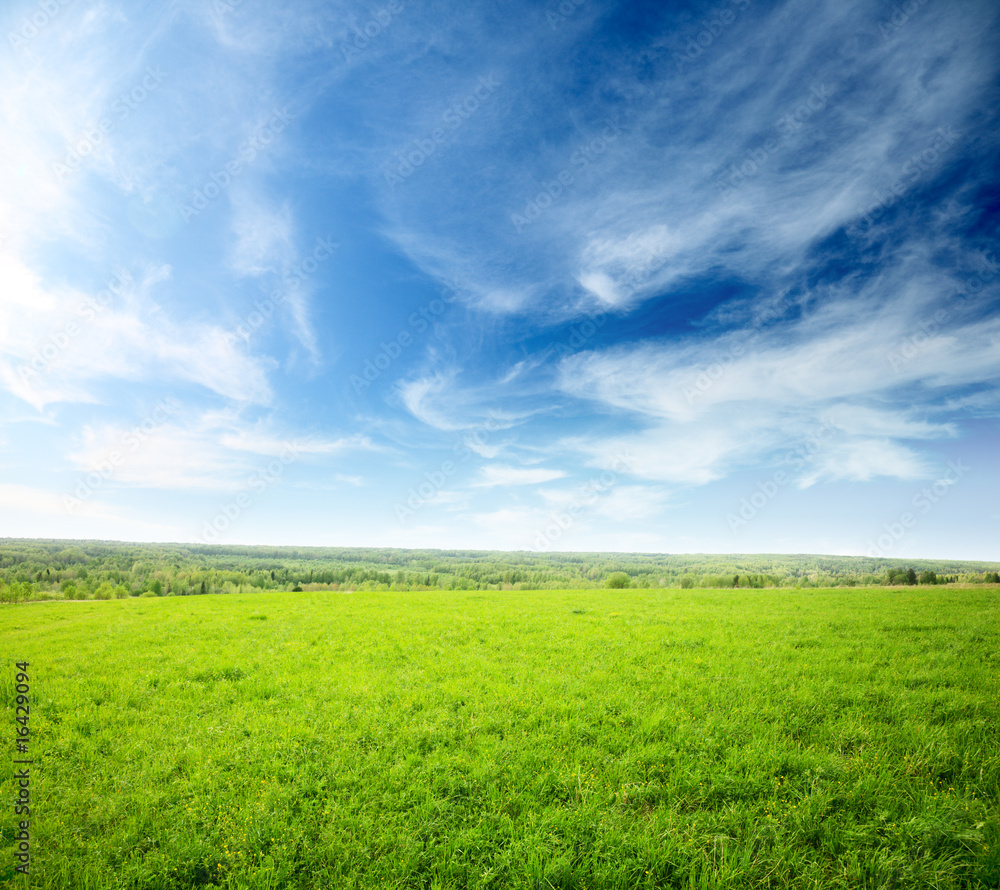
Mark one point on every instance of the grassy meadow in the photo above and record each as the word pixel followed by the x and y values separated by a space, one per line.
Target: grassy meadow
pixel 579 739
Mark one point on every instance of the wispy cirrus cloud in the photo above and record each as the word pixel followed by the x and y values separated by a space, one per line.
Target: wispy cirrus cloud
pixel 494 474
pixel 210 451
pixel 61 344
pixel 789 150
pixel 563 240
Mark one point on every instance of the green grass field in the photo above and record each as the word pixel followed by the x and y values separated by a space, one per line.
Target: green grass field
pixel 592 739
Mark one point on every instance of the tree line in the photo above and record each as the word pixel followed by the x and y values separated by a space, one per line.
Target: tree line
pixel 48 569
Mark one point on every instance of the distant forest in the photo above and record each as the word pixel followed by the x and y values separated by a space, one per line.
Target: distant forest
pixel 53 569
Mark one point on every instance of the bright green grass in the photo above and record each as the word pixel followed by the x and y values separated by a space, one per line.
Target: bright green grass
pixel 827 738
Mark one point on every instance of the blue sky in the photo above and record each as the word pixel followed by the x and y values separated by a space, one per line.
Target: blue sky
pixel 581 276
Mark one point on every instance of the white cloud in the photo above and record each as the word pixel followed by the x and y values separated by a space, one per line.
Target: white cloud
pixel 492 475
pixel 672 453
pixel 609 500
pixel 263 235
pixel 356 481
pixel 629 503
pixel 174 449
pixel 418 397
pixel 482 447
pixel 862 460
pixel 438 400
pixel 264 245
pixel 261 442
pixel 718 401
pixel 449 500
pixel 60 344
pixel 602 286
pixel 860 420
pixel 651 210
